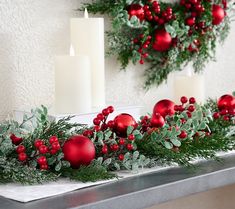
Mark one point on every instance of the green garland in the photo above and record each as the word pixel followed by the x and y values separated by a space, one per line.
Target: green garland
pixel 144 146
pixel 133 36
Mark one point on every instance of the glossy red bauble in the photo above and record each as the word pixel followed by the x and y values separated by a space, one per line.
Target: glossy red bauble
pixel 226 101
pixel 218 14
pixel 121 122
pixel 157 121
pixel 79 150
pixel 163 40
pixel 164 107
pixel 136 10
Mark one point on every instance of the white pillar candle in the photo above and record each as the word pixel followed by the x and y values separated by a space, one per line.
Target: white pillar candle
pixel 190 85
pixel 72 84
pixel 87 37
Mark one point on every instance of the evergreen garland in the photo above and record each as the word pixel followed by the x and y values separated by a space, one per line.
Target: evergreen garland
pixel 207 131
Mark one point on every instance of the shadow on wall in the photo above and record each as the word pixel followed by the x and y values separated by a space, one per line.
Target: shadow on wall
pixel 6 76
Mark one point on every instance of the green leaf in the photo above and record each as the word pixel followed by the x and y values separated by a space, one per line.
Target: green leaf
pixel 58 166
pixel 176 142
pixel 107 162
pixel 65 164
pixel 60 156
pixel 129 130
pixel 168 145
pixel 135 155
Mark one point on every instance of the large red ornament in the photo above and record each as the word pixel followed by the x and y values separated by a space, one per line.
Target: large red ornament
pixel 157 121
pixel 164 107
pixel 162 41
pixel 226 101
pixel 121 123
pixel 136 10
pixel 218 14
pixel 79 150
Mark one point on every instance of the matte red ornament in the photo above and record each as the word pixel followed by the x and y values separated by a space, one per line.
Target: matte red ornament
pixel 157 121
pixel 79 150
pixel 164 107
pixel 136 10
pixel 163 40
pixel 226 101
pixel 218 14
pixel 121 122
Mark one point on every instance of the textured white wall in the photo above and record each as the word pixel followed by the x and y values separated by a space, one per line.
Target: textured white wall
pixel 32 32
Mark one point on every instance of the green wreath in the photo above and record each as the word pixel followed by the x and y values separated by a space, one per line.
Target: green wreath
pixel 165 35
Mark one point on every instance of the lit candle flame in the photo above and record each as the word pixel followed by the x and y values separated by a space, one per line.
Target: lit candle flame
pixel 71 52
pixel 86 13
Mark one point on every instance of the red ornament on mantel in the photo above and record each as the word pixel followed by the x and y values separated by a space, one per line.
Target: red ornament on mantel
pixel 136 10
pixel 162 41
pixel 227 102
pixel 79 150
pixel 164 107
pixel 218 14
pixel 157 121
pixel 121 123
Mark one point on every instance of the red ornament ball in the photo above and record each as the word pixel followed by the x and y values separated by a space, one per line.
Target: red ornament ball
pixel 79 150
pixel 162 41
pixel 226 101
pixel 121 123
pixel 218 14
pixel 164 107
pixel 136 10
pixel 157 121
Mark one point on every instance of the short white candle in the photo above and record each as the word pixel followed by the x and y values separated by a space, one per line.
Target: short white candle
pixel 72 84
pixel 190 85
pixel 87 37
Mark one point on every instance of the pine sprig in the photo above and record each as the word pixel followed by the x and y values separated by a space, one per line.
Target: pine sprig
pixel 93 172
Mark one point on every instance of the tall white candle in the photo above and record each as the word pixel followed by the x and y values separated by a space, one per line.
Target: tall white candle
pixel 190 85
pixel 87 37
pixel 72 84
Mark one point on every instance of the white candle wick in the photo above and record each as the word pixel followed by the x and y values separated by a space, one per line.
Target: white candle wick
pixel 86 13
pixel 71 51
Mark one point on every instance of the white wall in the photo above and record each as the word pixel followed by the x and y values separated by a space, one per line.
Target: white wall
pixel 32 32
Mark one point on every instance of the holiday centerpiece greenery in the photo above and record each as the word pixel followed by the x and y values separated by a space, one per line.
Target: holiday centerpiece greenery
pixel 38 150
pixel 165 35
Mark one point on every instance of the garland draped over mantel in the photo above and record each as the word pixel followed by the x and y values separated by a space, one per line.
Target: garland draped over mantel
pixel 38 150
pixel 165 35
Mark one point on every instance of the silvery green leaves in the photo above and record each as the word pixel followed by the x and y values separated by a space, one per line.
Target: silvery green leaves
pixel 135 161
pixel 194 126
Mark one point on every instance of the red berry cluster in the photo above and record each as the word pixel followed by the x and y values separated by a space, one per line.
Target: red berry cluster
pixel 194 7
pixel 189 108
pixel 153 13
pixel 119 149
pixel 42 150
pixel 225 114
pixel 143 43
pixel 100 121
pixel 145 123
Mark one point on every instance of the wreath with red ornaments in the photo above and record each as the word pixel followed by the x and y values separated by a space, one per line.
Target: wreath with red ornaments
pixel 165 36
